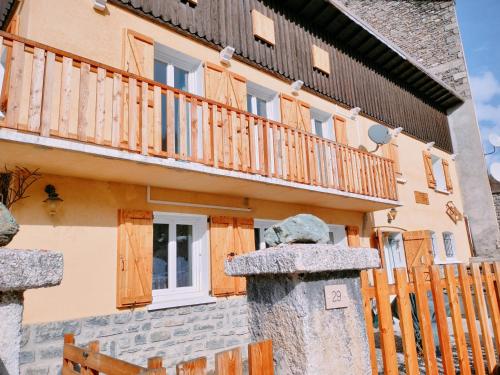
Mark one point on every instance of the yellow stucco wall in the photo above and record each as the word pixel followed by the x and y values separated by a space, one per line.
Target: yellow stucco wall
pixel 86 228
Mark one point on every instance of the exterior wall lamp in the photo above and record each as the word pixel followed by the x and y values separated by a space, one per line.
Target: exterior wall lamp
pixel 53 201
pixel 226 54
pixel 391 215
pixel 429 146
pixel 397 131
pixel 296 86
pixel 100 5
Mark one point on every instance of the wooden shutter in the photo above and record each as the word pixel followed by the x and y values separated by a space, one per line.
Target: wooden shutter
pixel 295 113
pixel 288 108
pixel 391 151
pixel 446 170
pixel 138 54
pixel 229 236
pixel 304 116
pixel 244 240
pixel 237 91
pixel 353 236
pixel 340 130
pixel 431 181
pixel 418 248
pixel 221 246
pixel 135 258
pixel 225 87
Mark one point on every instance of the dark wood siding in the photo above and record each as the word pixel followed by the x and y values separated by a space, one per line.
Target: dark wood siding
pixel 357 79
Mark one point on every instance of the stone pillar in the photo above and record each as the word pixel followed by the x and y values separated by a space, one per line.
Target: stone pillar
pixel 291 290
pixel 21 270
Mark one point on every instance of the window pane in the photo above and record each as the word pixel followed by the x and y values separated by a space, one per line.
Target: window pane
pixel 160 256
pixel 184 234
pixel 249 104
pixel 318 128
pixel 180 78
pixel 261 107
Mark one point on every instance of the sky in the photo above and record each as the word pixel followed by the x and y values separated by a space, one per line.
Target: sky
pixel 479 22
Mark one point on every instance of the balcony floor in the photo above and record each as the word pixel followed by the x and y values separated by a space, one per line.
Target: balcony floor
pixel 76 159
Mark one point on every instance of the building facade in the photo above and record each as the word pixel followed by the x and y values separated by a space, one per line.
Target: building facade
pixel 429 32
pixel 170 155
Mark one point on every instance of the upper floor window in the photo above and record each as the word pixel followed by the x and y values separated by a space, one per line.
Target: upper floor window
pixel 185 73
pixel 449 245
pixel 180 258
pixel 438 171
pixel 322 124
pixel 262 102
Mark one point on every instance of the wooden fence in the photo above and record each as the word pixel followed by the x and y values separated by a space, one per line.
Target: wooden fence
pixel 435 303
pixel 88 361
pixel 54 93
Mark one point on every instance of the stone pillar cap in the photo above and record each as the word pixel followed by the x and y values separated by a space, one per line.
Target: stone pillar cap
pixel 302 258
pixel 28 269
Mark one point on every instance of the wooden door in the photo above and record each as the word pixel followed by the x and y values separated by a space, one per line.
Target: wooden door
pixel 418 249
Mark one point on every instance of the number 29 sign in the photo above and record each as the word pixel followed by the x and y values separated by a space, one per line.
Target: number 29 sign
pixel 336 296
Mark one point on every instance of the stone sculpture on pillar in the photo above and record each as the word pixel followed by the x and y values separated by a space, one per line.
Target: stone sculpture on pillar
pixel 306 297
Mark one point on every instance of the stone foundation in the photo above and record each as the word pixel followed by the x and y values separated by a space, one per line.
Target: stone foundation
pixel 176 334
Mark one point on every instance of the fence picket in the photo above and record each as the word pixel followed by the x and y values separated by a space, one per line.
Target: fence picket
pixel 260 358
pixel 456 316
pixel 144 119
pixel 117 110
pixel 157 118
pixel 65 96
pixel 424 319
pixel 229 362
pixel 492 303
pixel 197 366
pixel 15 85
pixel 194 129
pixel 35 106
pixel 471 319
pixel 483 316
pixel 367 310
pixel 406 321
pixel 132 114
pixel 182 127
pixel 442 324
pixel 100 104
pixel 387 342
pixel 48 93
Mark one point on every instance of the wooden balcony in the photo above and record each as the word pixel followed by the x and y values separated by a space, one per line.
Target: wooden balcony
pixel 55 95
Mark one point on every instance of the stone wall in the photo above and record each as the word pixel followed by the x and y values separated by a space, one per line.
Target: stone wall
pixel 496 199
pixel 176 334
pixel 425 29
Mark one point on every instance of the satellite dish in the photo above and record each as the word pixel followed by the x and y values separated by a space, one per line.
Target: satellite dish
pixel 494 139
pixel 379 134
pixel 495 171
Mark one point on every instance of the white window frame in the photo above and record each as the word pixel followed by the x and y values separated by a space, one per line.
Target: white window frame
pixel 389 256
pixel 269 96
pixel 453 244
pixel 261 224
pixel 198 293
pixel 326 120
pixel 438 171
pixel 172 58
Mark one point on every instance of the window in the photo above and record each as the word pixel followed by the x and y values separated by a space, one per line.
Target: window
pixel 434 244
pixel 449 245
pixel 182 72
pixel 322 124
pixel 262 101
pixel 180 260
pixel 438 171
pixel 394 253
pixel 337 233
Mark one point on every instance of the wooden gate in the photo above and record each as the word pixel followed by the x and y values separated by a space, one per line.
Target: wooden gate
pixel 449 324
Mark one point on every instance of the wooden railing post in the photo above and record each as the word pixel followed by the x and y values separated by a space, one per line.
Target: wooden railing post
pixel 69 338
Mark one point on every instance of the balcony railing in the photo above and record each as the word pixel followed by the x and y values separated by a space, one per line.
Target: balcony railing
pixel 53 93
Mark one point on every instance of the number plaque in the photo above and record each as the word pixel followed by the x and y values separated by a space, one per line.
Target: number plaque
pixel 336 296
